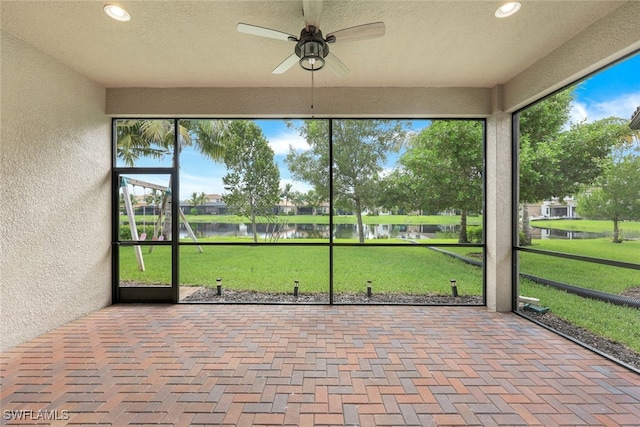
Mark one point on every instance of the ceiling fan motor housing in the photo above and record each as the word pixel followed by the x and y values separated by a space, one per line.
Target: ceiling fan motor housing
pixel 311 49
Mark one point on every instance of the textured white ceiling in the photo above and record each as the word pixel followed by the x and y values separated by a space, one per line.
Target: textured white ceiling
pixel 195 43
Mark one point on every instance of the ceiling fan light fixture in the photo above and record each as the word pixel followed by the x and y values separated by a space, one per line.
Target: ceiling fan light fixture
pixel 311 56
pixel 508 9
pixel 116 12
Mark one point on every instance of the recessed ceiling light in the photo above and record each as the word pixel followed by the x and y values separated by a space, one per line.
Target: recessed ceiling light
pixel 116 12
pixel 508 9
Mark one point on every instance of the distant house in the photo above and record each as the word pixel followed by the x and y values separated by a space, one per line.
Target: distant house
pixel 553 208
pixel 212 206
pixel 635 120
pixel 556 208
pixel 285 207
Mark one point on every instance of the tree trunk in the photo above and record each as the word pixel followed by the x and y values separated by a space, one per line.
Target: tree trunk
pixel 166 224
pixel 254 228
pixel 462 238
pixel 616 232
pixel 359 218
pixel 526 228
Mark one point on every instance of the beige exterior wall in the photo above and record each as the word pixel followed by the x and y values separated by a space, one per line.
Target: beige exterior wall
pixel 498 234
pixel 54 194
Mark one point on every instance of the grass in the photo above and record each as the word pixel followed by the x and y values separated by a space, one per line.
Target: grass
pixel 588 275
pixel 585 274
pixel 620 324
pixel 409 269
pixel 598 248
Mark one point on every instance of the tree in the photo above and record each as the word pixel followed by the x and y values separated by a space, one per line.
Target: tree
pixel 197 199
pixel 137 138
pixel 615 194
pixel 556 163
pixel 153 199
pixel 443 170
pixel 286 193
pixel 253 176
pixel 314 200
pixel 297 198
pixel 193 201
pixel 539 125
pixel 359 150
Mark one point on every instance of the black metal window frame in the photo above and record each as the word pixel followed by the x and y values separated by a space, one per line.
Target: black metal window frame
pixel 171 294
pixel 515 182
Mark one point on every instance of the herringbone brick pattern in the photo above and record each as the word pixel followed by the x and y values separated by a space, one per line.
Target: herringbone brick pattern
pixel 234 365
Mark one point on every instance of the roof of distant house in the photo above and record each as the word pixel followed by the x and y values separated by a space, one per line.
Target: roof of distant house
pixel 635 119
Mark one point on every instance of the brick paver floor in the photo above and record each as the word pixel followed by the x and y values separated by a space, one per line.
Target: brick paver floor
pixel 241 365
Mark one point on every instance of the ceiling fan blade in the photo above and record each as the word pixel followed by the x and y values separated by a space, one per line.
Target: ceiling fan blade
pixel 336 65
pixel 360 32
pixel 312 10
pixel 264 32
pixel 286 64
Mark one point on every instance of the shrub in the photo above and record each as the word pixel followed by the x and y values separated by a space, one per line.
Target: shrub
pixel 522 241
pixel 474 234
pixel 125 231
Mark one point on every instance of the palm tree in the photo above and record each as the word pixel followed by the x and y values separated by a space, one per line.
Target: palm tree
pixel 298 199
pixel 155 139
pixel 286 192
pixel 194 201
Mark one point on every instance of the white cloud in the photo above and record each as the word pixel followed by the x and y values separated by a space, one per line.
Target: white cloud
pixel 280 143
pixel 578 112
pixel 621 106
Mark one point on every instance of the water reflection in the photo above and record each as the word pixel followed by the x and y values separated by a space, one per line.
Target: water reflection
pixel 553 233
pixel 280 231
pixel 320 231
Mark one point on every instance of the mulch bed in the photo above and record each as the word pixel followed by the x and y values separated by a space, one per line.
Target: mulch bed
pixel 233 296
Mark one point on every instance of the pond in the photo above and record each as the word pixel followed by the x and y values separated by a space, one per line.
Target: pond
pixel 321 231
pixel 553 233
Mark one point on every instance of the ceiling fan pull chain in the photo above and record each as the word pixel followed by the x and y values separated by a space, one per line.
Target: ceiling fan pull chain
pixel 312 86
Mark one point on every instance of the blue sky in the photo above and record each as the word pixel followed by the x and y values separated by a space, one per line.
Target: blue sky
pixel 612 92
pixel 202 175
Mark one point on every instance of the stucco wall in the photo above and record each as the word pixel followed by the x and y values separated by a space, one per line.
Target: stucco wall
pixel 54 194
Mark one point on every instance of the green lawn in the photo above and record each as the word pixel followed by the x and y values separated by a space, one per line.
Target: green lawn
pixel 585 274
pixel 403 269
pixel 628 251
pixel 588 275
pixel 620 324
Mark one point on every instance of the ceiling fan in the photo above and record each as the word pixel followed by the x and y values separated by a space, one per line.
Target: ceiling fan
pixel 312 49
